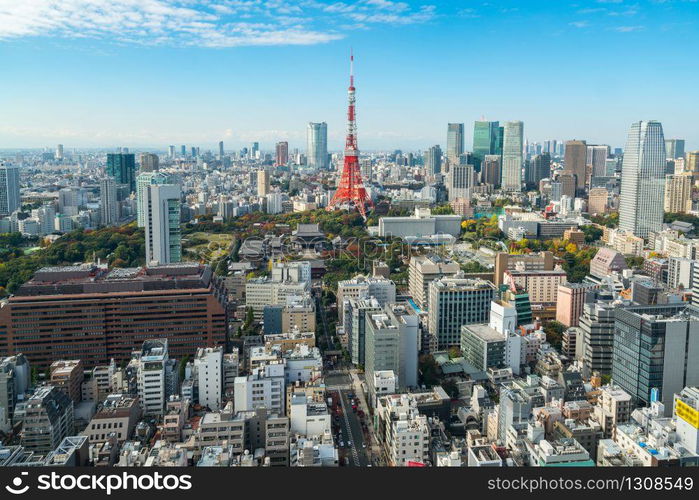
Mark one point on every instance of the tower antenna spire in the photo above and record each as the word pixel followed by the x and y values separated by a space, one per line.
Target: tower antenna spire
pixel 351 190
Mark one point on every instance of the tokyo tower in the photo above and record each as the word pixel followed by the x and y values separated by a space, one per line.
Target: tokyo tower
pixel 351 190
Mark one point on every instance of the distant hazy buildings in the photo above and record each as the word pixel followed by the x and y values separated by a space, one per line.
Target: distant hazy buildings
pixel 282 154
pixel 642 179
pixel 149 162
pixel 512 156
pixel 9 189
pixel 674 148
pixel 317 145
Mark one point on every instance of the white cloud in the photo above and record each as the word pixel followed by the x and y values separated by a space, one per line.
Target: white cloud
pixel 629 29
pixel 580 24
pixel 222 23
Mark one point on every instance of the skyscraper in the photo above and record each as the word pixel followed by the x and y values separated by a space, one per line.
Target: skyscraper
pixel 512 159
pixel 490 170
pixel 487 140
pixel 643 179
pixel 183 151
pixel 317 145
pixel 575 162
pixel 455 141
pixel 597 160
pixel 691 164
pixel 678 193
pixel 539 168
pixel 674 148
pixel 171 151
pixel 262 182
pixel 9 189
pixel 59 152
pixel 109 208
pixel 282 153
pixel 122 167
pixel 220 150
pixel 149 162
pixel 433 160
pixel 163 235
pixel 142 182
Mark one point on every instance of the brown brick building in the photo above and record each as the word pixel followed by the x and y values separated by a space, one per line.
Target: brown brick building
pixel 90 313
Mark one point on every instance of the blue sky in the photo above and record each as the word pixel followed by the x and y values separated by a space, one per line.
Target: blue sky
pixel 148 73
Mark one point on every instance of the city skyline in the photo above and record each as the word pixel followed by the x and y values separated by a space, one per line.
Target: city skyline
pixel 179 82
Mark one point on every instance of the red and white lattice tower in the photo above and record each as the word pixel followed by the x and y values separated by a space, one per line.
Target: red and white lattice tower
pixel 351 189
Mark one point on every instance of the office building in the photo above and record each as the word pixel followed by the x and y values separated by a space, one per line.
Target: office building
pixel 596 161
pixel 392 344
pixel 691 164
pixel 281 154
pixel 422 226
pixel 597 201
pixel 68 376
pixel 402 430
pixel 263 388
pixel 423 270
pixel 9 189
pixel 155 375
pixel 358 311
pixel 576 162
pixel 455 142
pixel 122 167
pixel 47 418
pixel 642 179
pixel 59 152
pixel 144 180
pixel 542 286
pixel 571 298
pixel 93 314
pixel 686 414
pixel 678 193
pixel 487 140
pixel 456 301
pixel 539 168
pixel 433 160
pixel 109 206
pixel 149 162
pixel 208 366
pixel 317 146
pixel 607 262
pixel 655 348
pixel 490 170
pixel 674 148
pixel 363 287
pixel 161 204
pixel 262 182
pixel 461 180
pixel 512 159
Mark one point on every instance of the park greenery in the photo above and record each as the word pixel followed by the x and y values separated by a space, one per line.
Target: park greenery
pixel 122 246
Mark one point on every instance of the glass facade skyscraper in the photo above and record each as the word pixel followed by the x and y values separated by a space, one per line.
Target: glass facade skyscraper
pixel 643 179
pixel 317 145
pixel 9 189
pixel 487 140
pixel 122 167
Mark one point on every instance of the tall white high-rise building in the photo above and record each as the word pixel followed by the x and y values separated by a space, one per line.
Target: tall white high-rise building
pixel 142 182
pixel 109 208
pixel 643 179
pixel 9 189
pixel 512 157
pixel 171 151
pixel 59 152
pixel 162 223
pixel 317 145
